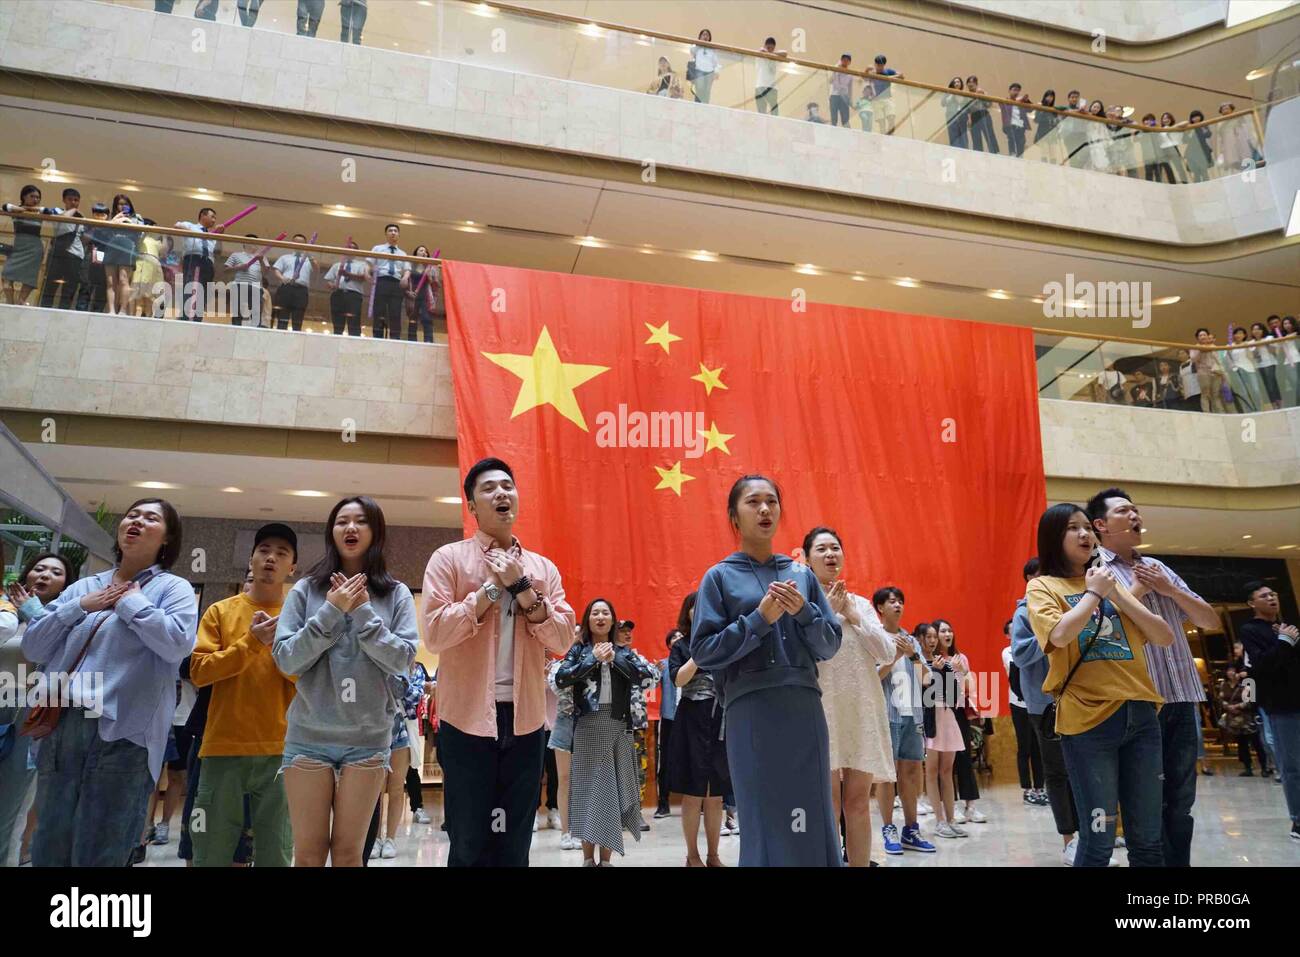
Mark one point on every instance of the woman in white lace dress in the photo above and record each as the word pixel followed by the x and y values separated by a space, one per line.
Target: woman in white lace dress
pixel 852 697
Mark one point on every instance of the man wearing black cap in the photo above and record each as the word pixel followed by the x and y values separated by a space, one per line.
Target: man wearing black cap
pixel 244 738
pixel 882 94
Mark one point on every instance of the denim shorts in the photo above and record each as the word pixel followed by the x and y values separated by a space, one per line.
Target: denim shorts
pixel 337 756
pixel 908 743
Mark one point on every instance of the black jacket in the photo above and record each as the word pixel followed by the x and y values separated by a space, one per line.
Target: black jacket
pixel 1274 664
pixel 581 671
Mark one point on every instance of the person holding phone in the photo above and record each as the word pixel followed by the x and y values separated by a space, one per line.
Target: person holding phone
pixel 1094 632
pixel 762 623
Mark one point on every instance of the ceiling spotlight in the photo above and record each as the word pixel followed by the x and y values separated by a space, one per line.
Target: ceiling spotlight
pixel 906 282
pixel 448 500
pixel 1167 300
pixel 998 294
pixel 156 485
pixel 858 278
pixel 808 269
pixel 308 493
pixel 232 490
pixel 1248 536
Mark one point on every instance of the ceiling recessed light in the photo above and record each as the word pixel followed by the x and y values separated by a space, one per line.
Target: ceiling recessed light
pixel 1257 74
pixel 1144 546
pixel 155 485
pixel 1282 548
pixel 808 269
pixel 906 282
pixel 998 294
pixel 856 278
pixel 703 255
pixel 308 493
pixel 1248 536
pixel 470 222
pixel 448 499
pixel 1167 300
pixel 232 490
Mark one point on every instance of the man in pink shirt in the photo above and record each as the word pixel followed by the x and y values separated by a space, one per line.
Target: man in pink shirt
pixel 492 610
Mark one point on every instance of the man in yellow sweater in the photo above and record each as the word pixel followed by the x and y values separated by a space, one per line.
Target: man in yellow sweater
pixel 244 739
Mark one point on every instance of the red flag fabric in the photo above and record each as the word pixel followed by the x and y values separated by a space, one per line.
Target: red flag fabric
pixel 627 410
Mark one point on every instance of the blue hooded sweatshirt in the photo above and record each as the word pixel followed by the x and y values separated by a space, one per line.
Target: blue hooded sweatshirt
pixel 1028 655
pixel 732 639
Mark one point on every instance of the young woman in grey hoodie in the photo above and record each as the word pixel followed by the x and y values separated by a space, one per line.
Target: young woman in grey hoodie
pixel 761 625
pixel 342 631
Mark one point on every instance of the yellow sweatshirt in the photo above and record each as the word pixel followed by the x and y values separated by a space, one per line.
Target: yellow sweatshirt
pixel 250 695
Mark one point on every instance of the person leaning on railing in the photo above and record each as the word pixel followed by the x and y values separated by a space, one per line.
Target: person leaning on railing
pixel 956 109
pixel 1209 371
pixel 1167 153
pixel 1232 147
pixel 1199 155
pixel 981 127
pixel 23 266
pixel 1046 119
pixel 702 67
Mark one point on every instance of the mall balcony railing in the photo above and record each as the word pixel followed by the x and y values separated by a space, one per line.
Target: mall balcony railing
pixel 162 283
pixel 503 36
pixel 135 269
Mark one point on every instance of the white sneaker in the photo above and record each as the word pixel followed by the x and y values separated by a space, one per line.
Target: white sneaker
pixel 1120 842
pixel 923 806
pixel 958 831
pixel 375 848
pixel 975 816
pixel 536 826
pixel 160 833
pixel 553 820
pixel 733 823
pixel 725 831
pixel 422 816
pixel 1067 856
pixel 898 803
pixel 944 829
pixel 389 850
pixel 959 815
pixel 567 843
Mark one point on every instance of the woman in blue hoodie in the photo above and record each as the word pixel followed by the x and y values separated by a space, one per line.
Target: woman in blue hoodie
pixel 761 625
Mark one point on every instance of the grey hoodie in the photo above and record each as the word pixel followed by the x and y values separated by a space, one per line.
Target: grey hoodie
pixel 342 663
pixel 732 639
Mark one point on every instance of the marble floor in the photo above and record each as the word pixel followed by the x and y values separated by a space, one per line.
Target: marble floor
pixel 1240 822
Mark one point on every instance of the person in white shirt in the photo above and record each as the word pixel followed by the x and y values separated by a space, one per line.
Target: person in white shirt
pixel 197 260
pixel 1191 386
pixel 1243 376
pixel 347 279
pixel 293 269
pixel 765 79
pixel 702 68
pixel 389 274
pixel 246 298
pixel 1266 363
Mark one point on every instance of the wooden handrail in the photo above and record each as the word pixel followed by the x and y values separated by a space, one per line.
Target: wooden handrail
pixel 345 252
pixel 834 68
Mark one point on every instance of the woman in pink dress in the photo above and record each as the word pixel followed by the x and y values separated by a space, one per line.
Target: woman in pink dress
pixel 943 737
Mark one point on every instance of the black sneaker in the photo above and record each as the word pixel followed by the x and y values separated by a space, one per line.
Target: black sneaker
pixel 137 856
pixel 1295 832
pixel 1248 773
pixel 645 826
pixel 662 812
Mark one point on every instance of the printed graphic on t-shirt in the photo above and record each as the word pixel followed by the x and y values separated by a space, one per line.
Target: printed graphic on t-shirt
pixel 1112 643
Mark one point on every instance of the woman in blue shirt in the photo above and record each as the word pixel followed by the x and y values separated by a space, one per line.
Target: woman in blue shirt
pixel 135 623
pixel 761 625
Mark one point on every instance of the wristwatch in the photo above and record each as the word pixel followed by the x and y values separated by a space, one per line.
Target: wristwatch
pixel 492 591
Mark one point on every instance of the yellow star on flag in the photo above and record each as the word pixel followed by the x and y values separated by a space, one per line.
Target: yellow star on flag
pixel 660 336
pixel 673 478
pixel 712 378
pixel 716 439
pixel 547 380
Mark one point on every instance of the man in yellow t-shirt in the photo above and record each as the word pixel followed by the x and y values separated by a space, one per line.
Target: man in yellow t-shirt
pixel 243 742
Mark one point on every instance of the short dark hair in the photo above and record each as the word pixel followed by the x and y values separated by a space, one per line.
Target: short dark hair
pixel 298 236
pixel 1096 507
pixel 29 188
pixel 392 226
pixel 74 194
pixel 171 546
pixel 1031 568
pixel 1202 329
pixel 668 639
pixel 69 573
pixel 1253 586
pixel 1051 532
pixel 812 537
pixel 1006 627
pixel 883 594
pixel 207 209
pixel 684 614
pixel 1016 86
pixel 377 578
pixel 733 497
pixel 769 40
pixel 1072 93
pixel 478 468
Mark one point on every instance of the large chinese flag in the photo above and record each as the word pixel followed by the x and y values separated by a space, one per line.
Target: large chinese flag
pixel 915 437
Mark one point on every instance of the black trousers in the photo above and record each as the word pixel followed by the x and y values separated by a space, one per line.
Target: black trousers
pixel 413 789
pixel 345 310
pixel 245 303
pixel 388 308
pixel 490 789
pixel 1244 743
pixel 662 786
pixel 62 277
pixel 968 788
pixel 550 796
pixel 290 306
pixel 1029 759
pixel 92 296
pixel 195 269
pixel 1059 794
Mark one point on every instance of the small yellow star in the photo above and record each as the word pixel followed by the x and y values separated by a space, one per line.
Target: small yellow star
pixel 660 336
pixel 716 439
pixel 712 378
pixel 547 379
pixel 673 478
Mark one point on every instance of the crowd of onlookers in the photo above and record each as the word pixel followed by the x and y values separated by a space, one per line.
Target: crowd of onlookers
pixel 1263 374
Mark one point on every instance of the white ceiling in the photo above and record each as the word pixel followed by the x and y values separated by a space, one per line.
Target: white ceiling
pixel 1200 531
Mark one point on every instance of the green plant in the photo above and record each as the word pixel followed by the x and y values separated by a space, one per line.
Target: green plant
pixel 40 539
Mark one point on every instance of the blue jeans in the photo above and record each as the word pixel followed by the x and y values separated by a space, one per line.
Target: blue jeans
pixel 91 796
pixel 1180 733
pixel 1285 727
pixel 1116 767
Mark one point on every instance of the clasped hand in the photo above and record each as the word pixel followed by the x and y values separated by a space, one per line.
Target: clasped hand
pixel 346 593
pixel 782 598
pixel 106 597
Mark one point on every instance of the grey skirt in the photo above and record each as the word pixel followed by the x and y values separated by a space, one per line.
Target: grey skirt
pixel 24 263
pixel 604 796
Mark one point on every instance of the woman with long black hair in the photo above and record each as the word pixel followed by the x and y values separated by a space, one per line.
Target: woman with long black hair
pixel 968 789
pixel 604 796
pixel 763 623
pixel 345 628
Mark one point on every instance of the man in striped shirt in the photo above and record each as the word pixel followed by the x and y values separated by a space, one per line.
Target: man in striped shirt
pixel 1118 525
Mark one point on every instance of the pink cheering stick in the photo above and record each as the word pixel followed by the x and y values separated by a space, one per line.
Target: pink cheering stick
pixel 257 256
pixel 425 276
pixel 234 219
pixel 298 267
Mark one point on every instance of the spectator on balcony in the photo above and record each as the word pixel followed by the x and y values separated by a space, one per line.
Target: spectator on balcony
pixel 1243 376
pixel 1199 154
pixel 1167 143
pixel 293 270
pixel 866 107
pixel 1015 120
pixel 1109 386
pixel 309 14
pixel 841 92
pixel 148 280
pixel 1232 148
pixel 93 294
pixel 67 256
pixel 1046 119
pixel 246 285
pixel 1289 370
pixel 120 248
pixel 981 126
pixel 205 10
pixel 1210 375
pixel 702 67
pixel 814 114
pixel 1149 150
pixel 352 13
pixel 663 82
pixel 1190 388
pixel 1097 156
pixel 23 267
pixel 765 99
pixel 197 261
pixel 420 295
pixel 956 111
pixel 248 10
pixel 882 93
pixel 1141 391
pixel 347 279
pixel 163 6
pixel 388 273
pixel 1168 386
pixel 1123 148
pixel 1266 364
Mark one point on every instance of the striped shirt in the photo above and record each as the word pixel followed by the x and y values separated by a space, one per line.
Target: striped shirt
pixel 1172 669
